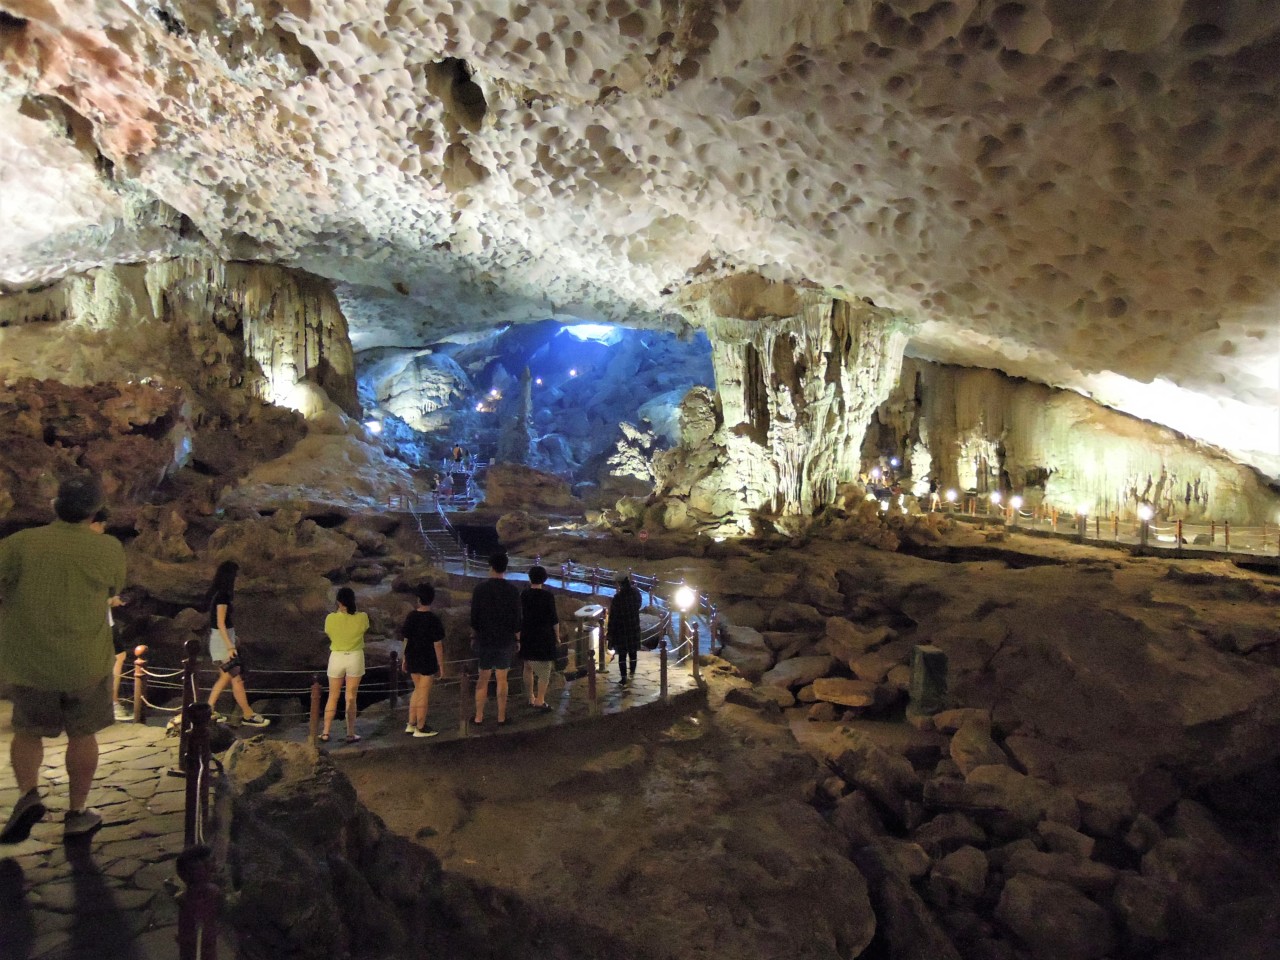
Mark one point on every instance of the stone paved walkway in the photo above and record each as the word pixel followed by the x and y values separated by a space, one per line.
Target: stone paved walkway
pixel 105 896
pixel 110 896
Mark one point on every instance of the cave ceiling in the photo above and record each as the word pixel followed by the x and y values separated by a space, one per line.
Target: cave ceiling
pixel 1081 192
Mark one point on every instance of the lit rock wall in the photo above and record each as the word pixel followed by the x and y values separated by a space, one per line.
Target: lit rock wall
pixel 419 387
pixel 216 327
pixel 975 429
pixel 798 377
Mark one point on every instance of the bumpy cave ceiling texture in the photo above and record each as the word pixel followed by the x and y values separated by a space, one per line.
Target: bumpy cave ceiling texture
pixel 1080 192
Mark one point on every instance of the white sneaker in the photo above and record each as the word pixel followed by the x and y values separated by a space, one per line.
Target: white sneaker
pixel 121 712
pixel 425 731
pixel 410 728
pixel 257 720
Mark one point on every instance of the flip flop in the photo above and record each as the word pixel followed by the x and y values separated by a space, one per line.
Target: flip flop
pixel 323 738
pixel 354 738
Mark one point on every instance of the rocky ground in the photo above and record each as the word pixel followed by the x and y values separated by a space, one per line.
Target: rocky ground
pixel 1100 785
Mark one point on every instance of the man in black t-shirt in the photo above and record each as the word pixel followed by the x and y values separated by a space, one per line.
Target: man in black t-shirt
pixel 496 620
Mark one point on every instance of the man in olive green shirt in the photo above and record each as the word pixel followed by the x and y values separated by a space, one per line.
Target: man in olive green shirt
pixel 55 649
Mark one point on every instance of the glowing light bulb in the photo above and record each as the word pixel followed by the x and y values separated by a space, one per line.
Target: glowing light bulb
pixel 573 371
pixel 480 407
pixel 951 496
pixel 1145 513
pixel 995 497
pixel 538 381
pixel 875 473
pixel 685 598
pixel 1015 502
pixel 373 426
pixel 884 506
pixel 1082 510
pixel 494 393
pixel 895 462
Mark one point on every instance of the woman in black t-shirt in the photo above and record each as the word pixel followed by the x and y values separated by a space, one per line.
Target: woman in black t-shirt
pixel 423 658
pixel 540 637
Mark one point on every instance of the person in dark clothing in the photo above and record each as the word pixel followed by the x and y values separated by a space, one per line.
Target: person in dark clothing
pixel 539 636
pixel 423 658
pixel 624 625
pixel 496 621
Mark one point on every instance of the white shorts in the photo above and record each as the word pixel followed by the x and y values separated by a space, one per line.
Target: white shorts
pixel 346 663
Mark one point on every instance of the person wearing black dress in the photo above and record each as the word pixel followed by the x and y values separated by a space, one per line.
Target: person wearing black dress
pixel 541 637
pixel 423 658
pixel 624 625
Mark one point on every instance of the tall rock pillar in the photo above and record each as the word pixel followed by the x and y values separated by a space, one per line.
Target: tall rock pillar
pixel 799 375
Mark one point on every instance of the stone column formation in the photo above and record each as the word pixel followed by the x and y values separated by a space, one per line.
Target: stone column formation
pixel 796 391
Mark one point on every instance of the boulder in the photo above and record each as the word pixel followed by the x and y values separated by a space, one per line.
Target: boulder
pixel 847 642
pixel 1058 838
pixel 909 860
pixel 947 832
pixel 1085 875
pixel 846 693
pixel 1027 800
pixel 511 486
pixel 959 878
pixel 887 777
pixel 790 617
pixel 745 649
pixel 972 747
pixel 1106 809
pixel 1146 906
pixel 798 672
pixel 908 927
pixel 821 712
pixel 520 526
pixel 1053 920
pixel 856 819
pixel 949 721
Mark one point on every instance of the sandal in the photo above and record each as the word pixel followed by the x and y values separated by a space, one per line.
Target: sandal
pixel 323 738
pixel 353 738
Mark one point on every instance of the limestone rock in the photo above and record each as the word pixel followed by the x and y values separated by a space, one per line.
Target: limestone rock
pixel 949 721
pixel 887 777
pixel 947 832
pixel 909 860
pixel 513 486
pixel 1055 921
pixel 959 878
pixel 1146 906
pixel 856 819
pixel 847 693
pixel 798 672
pixel 908 927
pixel 1085 875
pixel 519 527
pixel 821 712
pixel 972 747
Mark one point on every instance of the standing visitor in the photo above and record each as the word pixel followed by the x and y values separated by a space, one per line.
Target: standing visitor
pixel 539 636
pixel 99 525
pixel 495 618
pixel 345 628
pixel 624 625
pixel 55 651
pixel 423 658
pixel 223 646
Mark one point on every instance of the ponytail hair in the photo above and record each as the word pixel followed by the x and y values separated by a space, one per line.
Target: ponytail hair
pixel 347 597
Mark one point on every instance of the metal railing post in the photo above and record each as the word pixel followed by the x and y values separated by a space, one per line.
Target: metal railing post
pixel 1178 535
pixel 693 654
pixel 192 648
pixel 1213 530
pixel 196 813
pixel 592 693
pixel 602 646
pixel 394 681
pixel 662 667
pixel 139 681
pixel 1226 535
pixel 465 707
pixel 198 910
pixel 313 722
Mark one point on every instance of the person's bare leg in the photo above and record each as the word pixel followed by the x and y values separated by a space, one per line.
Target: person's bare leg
pixel 218 686
pixel 528 684
pixel 26 753
pixel 502 695
pixel 352 684
pixel 331 705
pixel 425 705
pixel 415 702
pixel 242 698
pixel 482 694
pixel 82 763
pixel 116 673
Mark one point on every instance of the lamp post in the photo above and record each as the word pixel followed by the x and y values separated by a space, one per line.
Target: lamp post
pixel 994 501
pixel 1145 513
pixel 1015 504
pixel 951 499
pixel 1082 522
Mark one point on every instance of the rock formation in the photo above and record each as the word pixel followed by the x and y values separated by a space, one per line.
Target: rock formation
pixel 978 430
pixel 798 377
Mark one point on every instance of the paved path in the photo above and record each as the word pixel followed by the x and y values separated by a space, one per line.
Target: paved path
pixel 105 896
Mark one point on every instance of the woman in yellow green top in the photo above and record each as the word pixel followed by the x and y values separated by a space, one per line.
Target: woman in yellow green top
pixel 345 628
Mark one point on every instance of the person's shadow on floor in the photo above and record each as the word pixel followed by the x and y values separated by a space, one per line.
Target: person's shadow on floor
pixel 98 927
pixel 17 928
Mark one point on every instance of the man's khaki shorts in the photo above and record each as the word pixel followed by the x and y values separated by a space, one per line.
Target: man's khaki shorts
pixel 47 713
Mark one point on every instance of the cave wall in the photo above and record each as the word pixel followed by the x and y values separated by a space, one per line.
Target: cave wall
pixel 799 375
pixel 976 429
pixel 217 327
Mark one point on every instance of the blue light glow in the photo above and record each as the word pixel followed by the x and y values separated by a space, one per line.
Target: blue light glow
pixel 605 333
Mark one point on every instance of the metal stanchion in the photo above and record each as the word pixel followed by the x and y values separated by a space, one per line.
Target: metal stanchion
pixel 693 655
pixel 1226 535
pixel 595 579
pixel 602 646
pixel 196 813
pixel 1178 535
pixel 198 909
pixel 592 694
pixel 313 723
pixel 139 681
pixel 465 707
pixel 192 648
pixel 394 680
pixel 1213 530
pixel 662 667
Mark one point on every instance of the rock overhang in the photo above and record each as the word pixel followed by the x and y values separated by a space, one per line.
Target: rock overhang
pixel 1081 194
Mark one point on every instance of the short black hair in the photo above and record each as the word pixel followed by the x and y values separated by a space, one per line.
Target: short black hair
pixel 426 594
pixel 78 498
pixel 498 562
pixel 537 574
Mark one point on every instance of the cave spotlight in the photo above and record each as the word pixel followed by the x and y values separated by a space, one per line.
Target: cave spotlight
pixel 538 381
pixel 1145 514
pixel 573 371
pixel 373 426
pixel 951 496
pixel 884 506
pixel 1015 505
pixel 875 473
pixel 895 462
pixel 495 393
pixel 479 408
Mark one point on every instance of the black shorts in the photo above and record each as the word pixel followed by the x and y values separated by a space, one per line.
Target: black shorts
pixel 422 662
pixel 119 645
